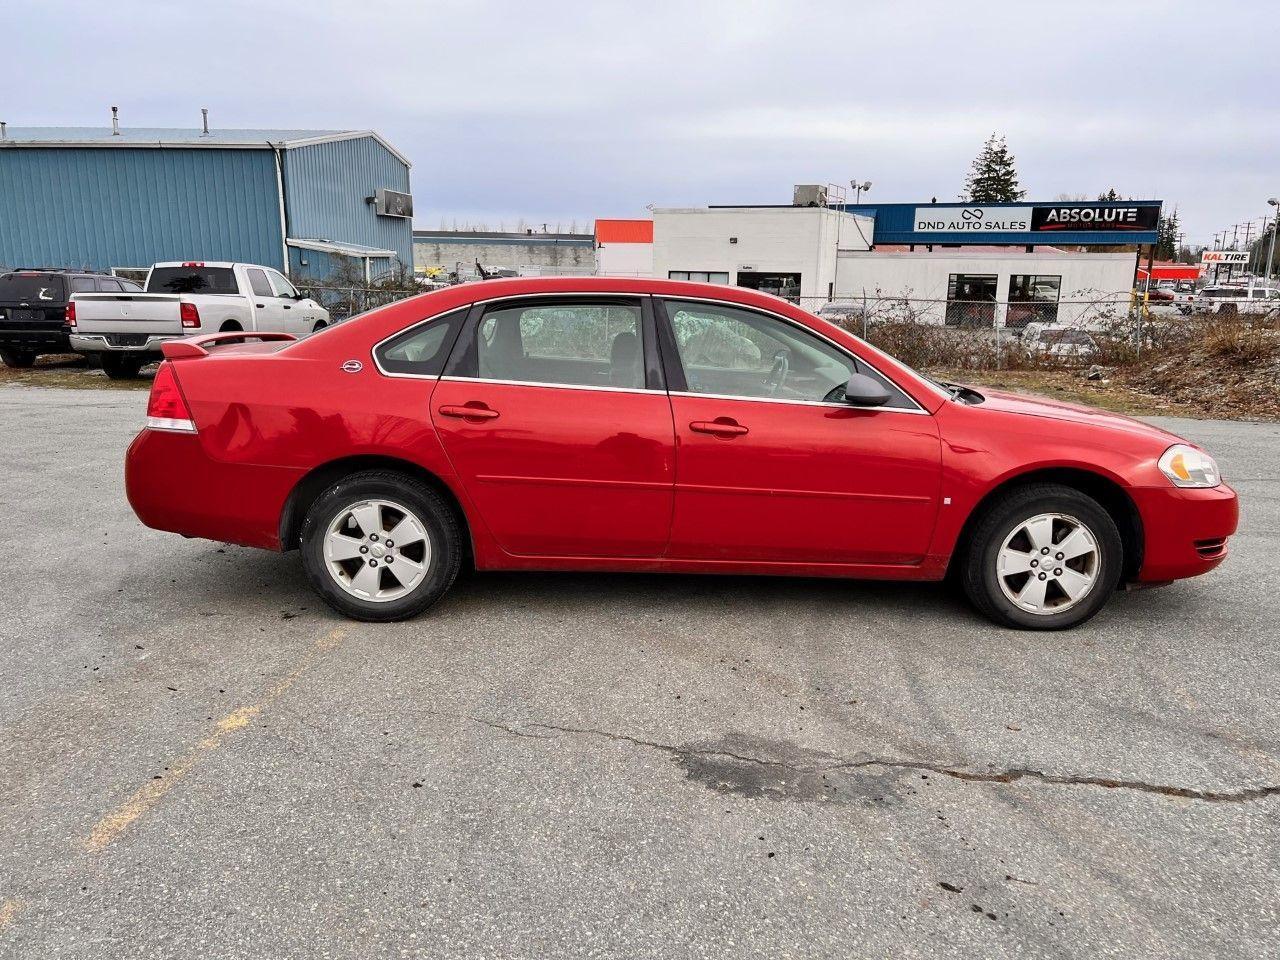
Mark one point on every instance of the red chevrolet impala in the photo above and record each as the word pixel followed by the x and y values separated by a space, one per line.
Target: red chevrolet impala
pixel 650 425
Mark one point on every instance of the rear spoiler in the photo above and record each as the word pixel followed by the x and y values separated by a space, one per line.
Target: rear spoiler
pixel 195 346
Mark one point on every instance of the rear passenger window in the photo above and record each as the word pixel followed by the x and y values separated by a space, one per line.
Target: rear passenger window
pixel 109 286
pixel 82 285
pixel 259 284
pixel 422 350
pixel 566 344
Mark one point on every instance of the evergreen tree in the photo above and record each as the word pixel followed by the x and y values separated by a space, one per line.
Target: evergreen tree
pixel 1110 195
pixel 1167 237
pixel 993 176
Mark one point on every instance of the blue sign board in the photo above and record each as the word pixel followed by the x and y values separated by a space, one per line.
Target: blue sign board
pixel 1022 223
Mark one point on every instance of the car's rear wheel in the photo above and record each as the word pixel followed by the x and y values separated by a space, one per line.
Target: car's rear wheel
pixel 1043 557
pixel 122 366
pixel 381 546
pixel 18 359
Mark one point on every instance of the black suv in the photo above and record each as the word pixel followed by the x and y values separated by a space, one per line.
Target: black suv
pixel 33 308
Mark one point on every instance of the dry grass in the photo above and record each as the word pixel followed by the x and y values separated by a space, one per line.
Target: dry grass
pixel 71 371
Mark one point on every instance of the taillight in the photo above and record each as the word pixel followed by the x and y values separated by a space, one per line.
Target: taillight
pixel 189 314
pixel 166 409
pixel 71 314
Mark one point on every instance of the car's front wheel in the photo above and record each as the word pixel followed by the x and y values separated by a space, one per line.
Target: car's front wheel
pixel 381 546
pixel 1043 557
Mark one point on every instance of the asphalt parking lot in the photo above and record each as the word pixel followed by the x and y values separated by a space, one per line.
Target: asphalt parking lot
pixel 199 760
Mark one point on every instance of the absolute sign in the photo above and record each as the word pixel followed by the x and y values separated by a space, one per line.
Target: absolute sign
pixel 1139 219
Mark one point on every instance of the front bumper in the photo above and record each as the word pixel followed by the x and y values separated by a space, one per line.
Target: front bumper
pixel 121 342
pixel 1185 531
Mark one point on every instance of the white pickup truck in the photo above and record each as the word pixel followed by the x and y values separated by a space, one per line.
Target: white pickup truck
pixel 182 300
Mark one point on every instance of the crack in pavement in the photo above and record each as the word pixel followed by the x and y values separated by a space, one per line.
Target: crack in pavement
pixel 1010 775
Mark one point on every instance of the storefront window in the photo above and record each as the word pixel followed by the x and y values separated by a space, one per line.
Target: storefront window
pixel 971 300
pixel 1032 299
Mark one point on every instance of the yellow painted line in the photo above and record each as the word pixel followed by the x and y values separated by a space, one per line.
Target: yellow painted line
pixel 110 827
pixel 9 911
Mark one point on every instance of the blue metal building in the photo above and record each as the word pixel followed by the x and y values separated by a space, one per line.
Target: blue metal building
pixel 296 200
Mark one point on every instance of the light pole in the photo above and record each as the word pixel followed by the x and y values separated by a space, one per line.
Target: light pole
pixel 1275 223
pixel 859 189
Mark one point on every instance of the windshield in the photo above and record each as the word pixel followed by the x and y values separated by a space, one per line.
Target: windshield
pixel 32 288
pixel 192 280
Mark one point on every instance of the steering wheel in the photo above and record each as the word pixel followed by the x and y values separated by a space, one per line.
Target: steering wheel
pixel 777 375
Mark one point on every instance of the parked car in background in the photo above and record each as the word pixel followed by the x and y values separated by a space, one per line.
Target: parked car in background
pixel 1067 344
pixel 597 423
pixel 1231 300
pixel 33 308
pixel 184 299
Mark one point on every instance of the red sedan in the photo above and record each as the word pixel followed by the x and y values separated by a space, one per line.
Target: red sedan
pixel 609 424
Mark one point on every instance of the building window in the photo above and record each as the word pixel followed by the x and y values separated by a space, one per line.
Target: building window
pixel 971 300
pixel 698 276
pixel 1032 299
pixel 785 285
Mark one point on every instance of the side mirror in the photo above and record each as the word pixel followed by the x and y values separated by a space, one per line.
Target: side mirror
pixel 862 391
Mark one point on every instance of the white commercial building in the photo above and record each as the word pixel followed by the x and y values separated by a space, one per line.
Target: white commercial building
pixel 815 255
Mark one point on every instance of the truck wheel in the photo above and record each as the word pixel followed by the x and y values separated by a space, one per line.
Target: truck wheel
pixel 18 359
pixel 121 366
pixel 1043 557
pixel 380 546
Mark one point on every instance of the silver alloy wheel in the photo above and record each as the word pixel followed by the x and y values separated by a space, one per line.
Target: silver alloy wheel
pixel 1048 564
pixel 377 550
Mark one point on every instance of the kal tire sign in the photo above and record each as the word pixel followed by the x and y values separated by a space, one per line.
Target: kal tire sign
pixel 1076 219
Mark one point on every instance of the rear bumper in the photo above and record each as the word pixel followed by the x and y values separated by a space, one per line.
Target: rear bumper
pixel 172 484
pixel 37 340
pixel 1185 531
pixel 118 342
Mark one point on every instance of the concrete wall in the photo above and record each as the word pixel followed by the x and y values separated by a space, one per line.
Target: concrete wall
pixel 1091 282
pixel 625 260
pixel 801 240
pixel 531 256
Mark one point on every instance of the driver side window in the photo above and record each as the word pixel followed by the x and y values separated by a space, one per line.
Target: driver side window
pixel 730 352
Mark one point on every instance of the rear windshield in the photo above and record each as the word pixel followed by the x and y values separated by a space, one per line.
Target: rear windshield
pixel 192 280
pixel 32 288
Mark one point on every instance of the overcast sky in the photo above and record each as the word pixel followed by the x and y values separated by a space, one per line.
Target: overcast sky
pixel 557 111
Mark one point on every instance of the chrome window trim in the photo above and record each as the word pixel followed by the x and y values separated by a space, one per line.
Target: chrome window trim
pixel 373 351
pixel 915 412
pixel 622 293
pixel 554 386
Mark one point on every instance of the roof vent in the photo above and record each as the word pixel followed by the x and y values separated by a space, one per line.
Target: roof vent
pixel 4 132
pixel 115 121
pixel 204 121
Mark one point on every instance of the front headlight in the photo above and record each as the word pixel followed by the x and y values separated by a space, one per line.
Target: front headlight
pixel 1188 467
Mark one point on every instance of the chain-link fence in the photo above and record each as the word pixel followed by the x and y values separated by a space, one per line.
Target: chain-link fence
pixel 1106 329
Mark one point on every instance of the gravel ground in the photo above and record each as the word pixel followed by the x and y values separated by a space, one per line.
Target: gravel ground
pixel 198 760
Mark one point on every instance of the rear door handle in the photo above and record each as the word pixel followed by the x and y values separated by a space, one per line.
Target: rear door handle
pixel 722 427
pixel 468 412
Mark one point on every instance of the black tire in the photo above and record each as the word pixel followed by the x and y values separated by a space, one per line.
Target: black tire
pixel 320 325
pixel 444 532
pixel 979 572
pixel 18 359
pixel 230 327
pixel 122 366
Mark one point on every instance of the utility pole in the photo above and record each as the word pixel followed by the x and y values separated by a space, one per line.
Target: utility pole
pixel 1275 225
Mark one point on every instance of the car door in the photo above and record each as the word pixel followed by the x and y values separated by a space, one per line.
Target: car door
pixel 554 415
pixel 268 315
pixel 294 313
pixel 771 465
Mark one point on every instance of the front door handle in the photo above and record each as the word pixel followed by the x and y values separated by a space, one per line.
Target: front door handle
pixel 470 411
pixel 724 427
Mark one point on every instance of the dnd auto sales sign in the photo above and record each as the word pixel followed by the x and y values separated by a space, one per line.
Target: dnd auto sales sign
pixel 1072 218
